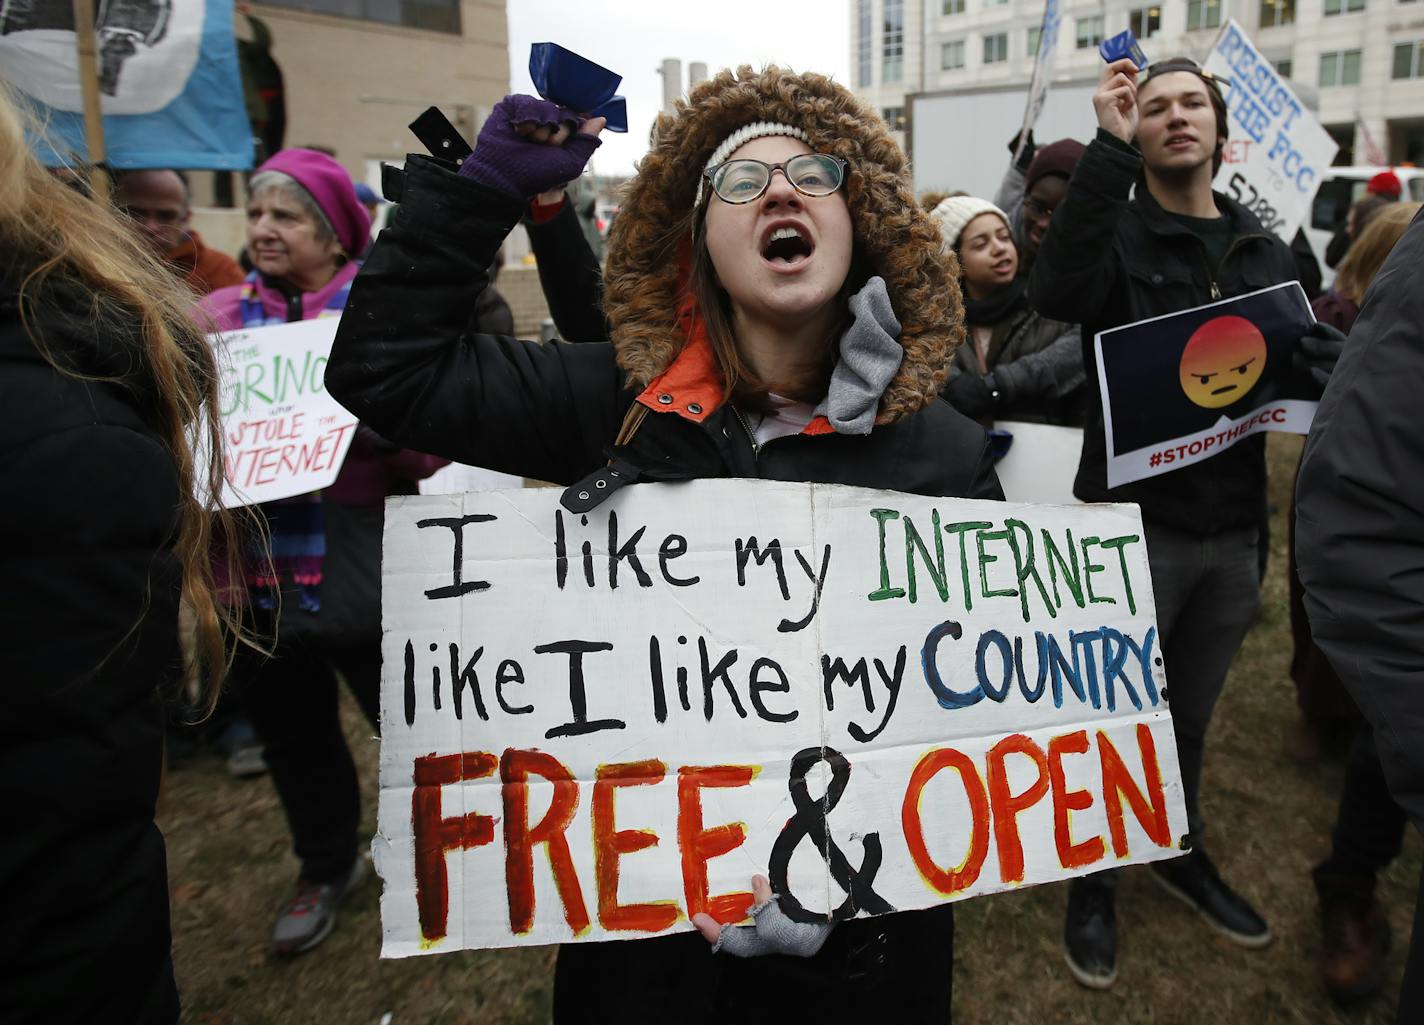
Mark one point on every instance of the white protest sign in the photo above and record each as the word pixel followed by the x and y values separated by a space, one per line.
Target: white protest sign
pixel 1042 68
pixel 596 726
pixel 283 433
pixel 1184 387
pixel 1041 463
pixel 1277 149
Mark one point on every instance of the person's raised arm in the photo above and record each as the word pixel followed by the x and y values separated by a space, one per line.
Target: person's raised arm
pixel 569 272
pixel 1009 198
pixel 1074 274
pixel 405 360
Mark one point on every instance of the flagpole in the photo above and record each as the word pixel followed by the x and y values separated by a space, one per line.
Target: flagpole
pixel 85 43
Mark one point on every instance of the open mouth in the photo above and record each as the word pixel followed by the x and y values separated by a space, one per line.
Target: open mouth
pixel 787 246
pixel 1003 267
pixel 1179 141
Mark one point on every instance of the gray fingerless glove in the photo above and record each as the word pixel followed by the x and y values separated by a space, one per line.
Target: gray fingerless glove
pixel 773 933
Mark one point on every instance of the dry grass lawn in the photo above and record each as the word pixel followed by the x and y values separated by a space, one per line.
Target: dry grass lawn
pixel 231 867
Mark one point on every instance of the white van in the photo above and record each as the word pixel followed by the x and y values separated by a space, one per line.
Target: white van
pixel 1339 189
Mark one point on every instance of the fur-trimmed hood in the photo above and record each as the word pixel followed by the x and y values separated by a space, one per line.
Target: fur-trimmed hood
pixel 649 245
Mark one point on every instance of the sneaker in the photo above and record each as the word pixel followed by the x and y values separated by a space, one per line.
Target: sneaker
pixel 1355 936
pixel 246 762
pixel 1090 934
pixel 307 918
pixel 1194 881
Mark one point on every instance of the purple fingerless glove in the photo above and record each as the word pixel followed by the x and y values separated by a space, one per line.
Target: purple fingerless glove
pixel 520 167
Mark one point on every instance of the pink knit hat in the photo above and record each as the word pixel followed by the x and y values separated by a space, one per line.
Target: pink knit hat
pixel 330 187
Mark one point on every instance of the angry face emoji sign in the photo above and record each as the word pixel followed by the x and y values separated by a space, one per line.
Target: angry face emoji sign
pixel 1222 361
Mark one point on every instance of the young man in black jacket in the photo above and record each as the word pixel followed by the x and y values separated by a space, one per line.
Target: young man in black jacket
pixel 1139 234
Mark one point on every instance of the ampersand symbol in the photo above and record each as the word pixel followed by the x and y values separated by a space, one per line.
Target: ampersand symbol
pixel 810 821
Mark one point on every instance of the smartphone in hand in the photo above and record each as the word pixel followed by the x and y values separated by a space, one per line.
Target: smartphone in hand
pixel 1124 44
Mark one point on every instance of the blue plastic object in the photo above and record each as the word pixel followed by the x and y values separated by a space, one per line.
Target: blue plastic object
pixel 1124 44
pixel 578 83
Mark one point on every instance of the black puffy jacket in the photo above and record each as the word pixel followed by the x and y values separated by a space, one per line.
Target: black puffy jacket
pixel 89 625
pixel 404 362
pixel 1115 257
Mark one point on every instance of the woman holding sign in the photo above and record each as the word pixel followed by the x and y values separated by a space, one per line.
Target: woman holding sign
pixel 780 308
pixel 305 228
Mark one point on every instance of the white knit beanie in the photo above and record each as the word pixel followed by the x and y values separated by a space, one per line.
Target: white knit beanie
pixel 954 214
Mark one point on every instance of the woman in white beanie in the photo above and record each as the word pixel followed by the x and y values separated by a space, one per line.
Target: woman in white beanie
pixel 1017 365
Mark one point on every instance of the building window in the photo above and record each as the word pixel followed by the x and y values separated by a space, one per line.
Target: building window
pixel 1203 14
pixel 951 55
pixel 995 3
pixel 433 15
pixel 996 48
pixel 892 44
pixel 1283 67
pixel 1339 67
pixel 952 7
pixel 1343 6
pixel 863 43
pixel 1408 60
pixel 1145 22
pixel 1090 32
pixel 894 117
pixel 1034 32
pixel 1277 12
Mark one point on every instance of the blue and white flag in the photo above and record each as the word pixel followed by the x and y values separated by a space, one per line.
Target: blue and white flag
pixel 170 89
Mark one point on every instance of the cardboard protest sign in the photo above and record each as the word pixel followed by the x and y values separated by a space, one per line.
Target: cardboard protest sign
pixel 595 726
pixel 1183 387
pixel 283 434
pixel 1041 463
pixel 1277 150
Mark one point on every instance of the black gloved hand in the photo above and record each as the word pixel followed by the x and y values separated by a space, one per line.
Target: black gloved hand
pixel 970 394
pixel 1026 157
pixel 1317 352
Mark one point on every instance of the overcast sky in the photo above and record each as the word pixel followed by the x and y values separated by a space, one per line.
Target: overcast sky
pixel 632 37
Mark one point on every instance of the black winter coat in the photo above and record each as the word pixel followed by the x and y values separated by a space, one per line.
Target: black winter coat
pixel 404 362
pixel 1360 519
pixel 89 621
pixel 1112 260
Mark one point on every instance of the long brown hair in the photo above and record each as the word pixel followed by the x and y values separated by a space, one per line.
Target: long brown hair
pixel 1371 248
pixel 55 241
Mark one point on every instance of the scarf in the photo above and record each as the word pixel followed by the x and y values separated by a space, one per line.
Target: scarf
pixel 295 525
pixel 994 308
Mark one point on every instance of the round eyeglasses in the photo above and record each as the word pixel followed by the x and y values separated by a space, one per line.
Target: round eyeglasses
pixel 746 180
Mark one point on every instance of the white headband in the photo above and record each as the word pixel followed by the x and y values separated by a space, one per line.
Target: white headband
pixel 740 138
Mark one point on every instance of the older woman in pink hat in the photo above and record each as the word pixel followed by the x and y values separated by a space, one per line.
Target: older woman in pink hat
pixel 317 590
pixel 305 228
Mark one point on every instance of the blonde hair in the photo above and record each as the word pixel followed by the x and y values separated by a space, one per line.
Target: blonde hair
pixel 53 239
pixel 1369 251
